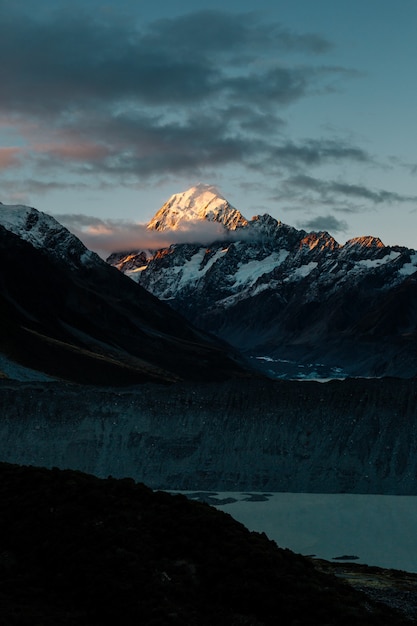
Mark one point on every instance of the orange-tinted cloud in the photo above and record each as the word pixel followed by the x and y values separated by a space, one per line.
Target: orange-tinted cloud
pixel 9 157
pixel 86 151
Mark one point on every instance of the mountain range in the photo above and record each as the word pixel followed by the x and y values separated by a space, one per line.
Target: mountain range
pixel 69 317
pixel 66 314
pixel 297 303
pixel 77 338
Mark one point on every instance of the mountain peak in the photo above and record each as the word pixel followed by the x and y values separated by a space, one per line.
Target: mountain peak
pixel 43 231
pixel 319 241
pixel 202 202
pixel 365 242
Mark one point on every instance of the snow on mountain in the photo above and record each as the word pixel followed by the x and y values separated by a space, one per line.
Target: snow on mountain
pixel 254 251
pixel 286 294
pixel 44 232
pixel 68 314
pixel 202 202
pixel 410 268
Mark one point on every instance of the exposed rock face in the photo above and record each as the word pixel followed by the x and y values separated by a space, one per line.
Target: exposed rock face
pixel 277 292
pixel 356 436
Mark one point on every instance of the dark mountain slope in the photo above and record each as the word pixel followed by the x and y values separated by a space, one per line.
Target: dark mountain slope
pixel 77 550
pixel 91 324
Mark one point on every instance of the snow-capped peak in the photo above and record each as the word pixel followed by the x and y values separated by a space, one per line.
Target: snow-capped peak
pixel 44 232
pixel 202 202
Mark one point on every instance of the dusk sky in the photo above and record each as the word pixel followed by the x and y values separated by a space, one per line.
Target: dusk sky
pixel 304 109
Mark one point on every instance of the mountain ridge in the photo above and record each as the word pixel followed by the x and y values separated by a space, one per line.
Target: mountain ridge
pixel 288 295
pixel 66 313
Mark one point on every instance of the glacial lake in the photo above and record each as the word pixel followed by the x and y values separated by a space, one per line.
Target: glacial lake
pixel 371 529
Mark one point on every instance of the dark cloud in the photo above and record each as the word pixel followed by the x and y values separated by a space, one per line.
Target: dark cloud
pixel 21 190
pixel 376 196
pixel 216 32
pixel 317 152
pixel 133 144
pixel 327 223
pixel 280 85
pixel 91 95
pixel 331 191
pixel 56 64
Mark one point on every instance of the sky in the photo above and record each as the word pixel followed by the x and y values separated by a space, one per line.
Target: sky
pixel 303 109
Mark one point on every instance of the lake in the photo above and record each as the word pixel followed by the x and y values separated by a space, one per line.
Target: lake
pixel 372 529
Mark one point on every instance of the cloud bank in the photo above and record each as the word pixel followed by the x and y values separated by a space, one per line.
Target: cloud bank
pixel 107 236
pixel 94 99
pixel 309 191
pixel 100 98
pixel 327 223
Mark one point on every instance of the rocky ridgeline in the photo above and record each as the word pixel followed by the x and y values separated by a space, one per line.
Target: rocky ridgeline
pixel 272 290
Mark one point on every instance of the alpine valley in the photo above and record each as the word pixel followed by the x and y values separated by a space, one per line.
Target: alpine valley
pixel 103 375
pixel 298 304
pixel 100 375
pixel 69 315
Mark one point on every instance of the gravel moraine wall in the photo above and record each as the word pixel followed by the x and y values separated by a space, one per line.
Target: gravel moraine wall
pixel 353 436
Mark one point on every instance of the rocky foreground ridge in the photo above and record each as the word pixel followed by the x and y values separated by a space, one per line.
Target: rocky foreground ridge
pixel 79 550
pixel 296 299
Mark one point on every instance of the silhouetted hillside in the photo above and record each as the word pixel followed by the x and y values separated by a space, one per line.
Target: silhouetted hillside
pixel 92 325
pixel 78 550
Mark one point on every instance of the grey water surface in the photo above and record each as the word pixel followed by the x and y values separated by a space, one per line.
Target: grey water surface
pixel 372 529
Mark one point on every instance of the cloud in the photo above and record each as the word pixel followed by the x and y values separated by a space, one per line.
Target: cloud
pixel 72 151
pixel 55 65
pixel 9 157
pixel 316 152
pixel 90 95
pixel 107 236
pixel 331 192
pixel 94 99
pixel 217 31
pixel 327 223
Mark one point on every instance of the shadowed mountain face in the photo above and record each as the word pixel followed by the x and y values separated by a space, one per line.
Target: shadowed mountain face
pixel 291 297
pixel 80 550
pixel 68 314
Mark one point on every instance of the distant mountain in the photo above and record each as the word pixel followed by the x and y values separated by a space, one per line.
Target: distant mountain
pixel 65 313
pixel 198 203
pixel 300 304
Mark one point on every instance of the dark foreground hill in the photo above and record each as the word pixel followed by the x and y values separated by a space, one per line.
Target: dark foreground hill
pixel 78 550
